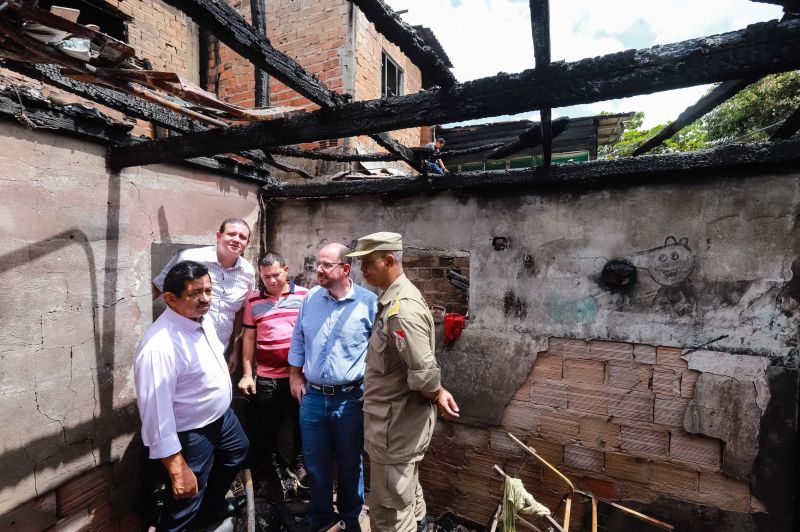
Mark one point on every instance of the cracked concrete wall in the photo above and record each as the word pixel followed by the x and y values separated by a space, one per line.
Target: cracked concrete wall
pixel 713 266
pixel 730 283
pixel 75 249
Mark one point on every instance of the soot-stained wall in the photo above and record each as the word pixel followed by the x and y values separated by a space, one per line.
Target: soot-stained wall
pixel 649 308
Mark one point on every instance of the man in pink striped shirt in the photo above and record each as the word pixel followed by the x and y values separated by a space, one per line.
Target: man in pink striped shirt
pixel 270 313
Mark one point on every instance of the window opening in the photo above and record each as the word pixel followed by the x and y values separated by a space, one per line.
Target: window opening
pixel 391 77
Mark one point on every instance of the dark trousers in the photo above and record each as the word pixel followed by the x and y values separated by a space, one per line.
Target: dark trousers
pixel 274 402
pixel 215 453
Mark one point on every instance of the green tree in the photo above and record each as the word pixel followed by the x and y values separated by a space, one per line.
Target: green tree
pixel 755 112
pixel 692 137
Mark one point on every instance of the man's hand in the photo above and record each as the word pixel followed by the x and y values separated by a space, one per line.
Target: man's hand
pixel 184 483
pixel 233 362
pixel 446 403
pixel 247 385
pixel 297 383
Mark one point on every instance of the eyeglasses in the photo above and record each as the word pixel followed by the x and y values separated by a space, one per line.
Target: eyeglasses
pixel 327 266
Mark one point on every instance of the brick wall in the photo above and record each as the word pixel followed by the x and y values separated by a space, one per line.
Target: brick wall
pixel 429 274
pixel 609 414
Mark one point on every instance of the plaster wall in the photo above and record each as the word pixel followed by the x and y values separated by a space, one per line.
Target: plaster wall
pixel 662 392
pixel 75 269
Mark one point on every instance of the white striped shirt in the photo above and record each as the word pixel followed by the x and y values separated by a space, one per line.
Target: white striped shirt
pixel 229 286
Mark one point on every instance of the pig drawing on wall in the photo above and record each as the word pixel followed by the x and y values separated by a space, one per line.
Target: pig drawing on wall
pixel 670 266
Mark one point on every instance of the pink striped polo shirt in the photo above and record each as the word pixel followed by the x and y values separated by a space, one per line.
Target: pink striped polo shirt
pixel 273 318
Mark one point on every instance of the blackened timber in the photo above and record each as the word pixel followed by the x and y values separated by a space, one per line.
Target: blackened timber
pixel 114 99
pixel 635 171
pixel 757 50
pixel 716 96
pixel 391 26
pixel 229 27
pixel 540 29
pixel 259 17
pixel 788 128
pixel 289 151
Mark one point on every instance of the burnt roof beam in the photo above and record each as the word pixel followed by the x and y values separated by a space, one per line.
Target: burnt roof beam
pixel 719 94
pixel 540 29
pixel 388 23
pixel 757 50
pixel 230 27
pixel 638 171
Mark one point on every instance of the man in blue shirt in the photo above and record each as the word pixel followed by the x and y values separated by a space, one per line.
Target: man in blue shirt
pixel 327 353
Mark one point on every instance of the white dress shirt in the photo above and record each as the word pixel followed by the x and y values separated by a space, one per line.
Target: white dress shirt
pixel 182 380
pixel 229 286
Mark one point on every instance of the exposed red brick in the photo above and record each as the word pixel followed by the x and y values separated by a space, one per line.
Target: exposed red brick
pixel 627 467
pixel 584 370
pixel 598 433
pixel 604 489
pixel 666 382
pixel 611 351
pixel 568 347
pixel 523 393
pixel 722 492
pixel 548 366
pixel 548 392
pixel 630 405
pixel 644 354
pixel 670 357
pixel 560 427
pixel 588 398
pixel 629 375
pixel 688 378
pixel 583 458
pixel 500 443
pixel 520 417
pixel 675 480
pixel 638 440
pixel 695 449
pixel 669 411
pixel 551 451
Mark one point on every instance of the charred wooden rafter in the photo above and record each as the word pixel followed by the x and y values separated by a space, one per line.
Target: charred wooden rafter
pixel 78 121
pixel 609 172
pixel 789 127
pixel 792 6
pixel 724 91
pixel 258 14
pixel 289 151
pixel 530 139
pixel 391 26
pixel 229 27
pixel 757 50
pixel 540 29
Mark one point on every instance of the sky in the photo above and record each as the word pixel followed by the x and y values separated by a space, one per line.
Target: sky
pixel 484 37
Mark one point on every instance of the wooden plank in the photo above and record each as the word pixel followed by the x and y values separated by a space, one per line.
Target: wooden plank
pixel 635 171
pixel 788 128
pixel 540 29
pixel 716 96
pixel 757 50
pixel 391 26
pixel 290 151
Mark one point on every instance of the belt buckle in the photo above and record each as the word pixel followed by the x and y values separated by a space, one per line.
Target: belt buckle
pixel 328 389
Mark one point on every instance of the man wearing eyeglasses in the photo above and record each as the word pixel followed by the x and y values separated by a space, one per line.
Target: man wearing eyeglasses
pixel 329 343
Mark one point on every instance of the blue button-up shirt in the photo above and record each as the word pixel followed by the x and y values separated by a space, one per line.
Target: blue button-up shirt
pixel 330 337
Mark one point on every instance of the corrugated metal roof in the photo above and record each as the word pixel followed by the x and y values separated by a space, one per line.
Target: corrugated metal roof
pixel 427 35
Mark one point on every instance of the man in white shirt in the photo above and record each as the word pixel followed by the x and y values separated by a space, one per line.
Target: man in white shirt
pixel 184 394
pixel 232 278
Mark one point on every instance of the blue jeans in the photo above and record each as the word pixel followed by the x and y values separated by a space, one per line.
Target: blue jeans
pixel 215 454
pixel 332 428
pixel 433 167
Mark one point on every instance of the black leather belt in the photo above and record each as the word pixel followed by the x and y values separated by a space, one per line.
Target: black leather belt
pixel 333 389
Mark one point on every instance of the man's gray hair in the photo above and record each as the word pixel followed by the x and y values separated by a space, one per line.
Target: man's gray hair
pixel 398 255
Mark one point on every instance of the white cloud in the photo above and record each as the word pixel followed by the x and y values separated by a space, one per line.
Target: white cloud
pixel 483 37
